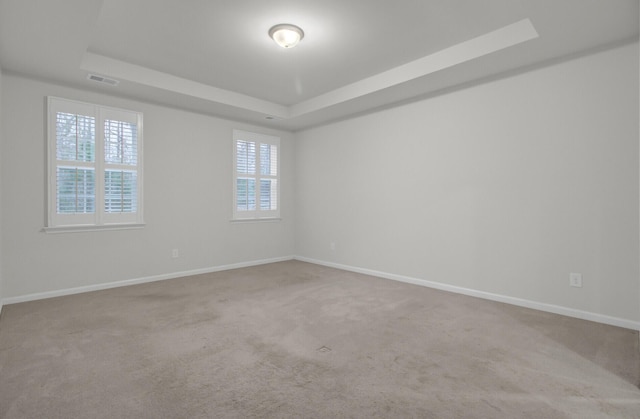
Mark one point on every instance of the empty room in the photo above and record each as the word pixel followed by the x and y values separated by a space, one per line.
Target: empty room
pixel 319 209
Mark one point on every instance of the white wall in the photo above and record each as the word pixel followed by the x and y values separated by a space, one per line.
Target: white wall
pixel 505 187
pixel 187 196
pixel 1 233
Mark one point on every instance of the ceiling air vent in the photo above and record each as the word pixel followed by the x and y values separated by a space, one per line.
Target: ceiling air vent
pixel 100 79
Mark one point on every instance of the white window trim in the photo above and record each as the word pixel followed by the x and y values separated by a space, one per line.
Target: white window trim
pixel 85 228
pixel 257 215
pixel 100 220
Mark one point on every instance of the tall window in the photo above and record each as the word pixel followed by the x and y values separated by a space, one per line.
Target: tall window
pixel 95 165
pixel 256 176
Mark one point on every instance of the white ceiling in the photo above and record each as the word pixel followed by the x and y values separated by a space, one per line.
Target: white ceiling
pixel 215 57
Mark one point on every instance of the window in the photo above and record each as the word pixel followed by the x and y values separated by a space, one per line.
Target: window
pixel 255 176
pixel 95 165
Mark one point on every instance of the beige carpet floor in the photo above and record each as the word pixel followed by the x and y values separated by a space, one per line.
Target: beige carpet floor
pixel 296 340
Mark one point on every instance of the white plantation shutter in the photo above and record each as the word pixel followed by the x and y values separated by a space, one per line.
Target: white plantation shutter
pixel 75 154
pixel 256 176
pixel 121 161
pixel 95 167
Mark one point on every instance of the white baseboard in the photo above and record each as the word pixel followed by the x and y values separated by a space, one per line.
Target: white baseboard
pixel 153 278
pixel 565 311
pixel 585 315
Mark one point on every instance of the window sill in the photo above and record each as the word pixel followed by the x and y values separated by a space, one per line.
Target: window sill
pixel 255 220
pixel 87 228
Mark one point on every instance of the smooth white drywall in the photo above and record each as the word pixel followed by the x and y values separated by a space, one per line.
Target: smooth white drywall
pixel 504 187
pixel 1 256
pixel 187 200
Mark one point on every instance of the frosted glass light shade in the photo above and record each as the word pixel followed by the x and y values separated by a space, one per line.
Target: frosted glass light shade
pixel 285 35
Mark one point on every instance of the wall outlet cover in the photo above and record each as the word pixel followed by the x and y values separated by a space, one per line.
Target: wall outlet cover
pixel 575 279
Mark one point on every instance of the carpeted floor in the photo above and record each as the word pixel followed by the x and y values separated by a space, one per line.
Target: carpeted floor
pixel 296 340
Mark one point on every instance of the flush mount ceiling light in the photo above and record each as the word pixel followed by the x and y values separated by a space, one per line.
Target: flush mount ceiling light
pixel 286 35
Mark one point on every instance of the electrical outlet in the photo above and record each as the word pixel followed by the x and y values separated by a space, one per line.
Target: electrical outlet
pixel 175 253
pixel 332 246
pixel 575 279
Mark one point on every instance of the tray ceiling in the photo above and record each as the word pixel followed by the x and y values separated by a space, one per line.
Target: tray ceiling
pixel 357 55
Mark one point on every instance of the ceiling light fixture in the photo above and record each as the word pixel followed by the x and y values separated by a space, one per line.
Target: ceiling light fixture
pixel 286 35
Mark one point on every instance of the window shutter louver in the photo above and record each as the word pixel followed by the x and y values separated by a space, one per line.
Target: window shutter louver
pixel 121 159
pixel 255 176
pixel 95 167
